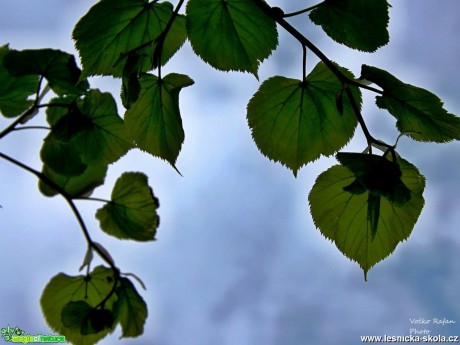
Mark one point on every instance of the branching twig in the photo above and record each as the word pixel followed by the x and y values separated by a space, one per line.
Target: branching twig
pixel 69 200
pixel 344 80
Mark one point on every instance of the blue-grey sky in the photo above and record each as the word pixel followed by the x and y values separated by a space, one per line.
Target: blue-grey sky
pixel 238 259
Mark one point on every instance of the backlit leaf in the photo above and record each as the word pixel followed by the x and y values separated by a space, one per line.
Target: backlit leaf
pixel 295 122
pixel 232 34
pixel 14 90
pixel 154 120
pixel 111 29
pixel 344 216
pixel 359 24
pixel 59 68
pixel 132 212
pixel 130 309
pixel 85 291
pixel 419 113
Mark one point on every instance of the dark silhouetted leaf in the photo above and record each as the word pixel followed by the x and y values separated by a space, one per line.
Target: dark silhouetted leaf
pixel 58 67
pixel 77 185
pixel 74 314
pixel 359 24
pixel 420 113
pixel 377 174
pixel 62 157
pixel 14 90
pixel 232 34
pixel 90 131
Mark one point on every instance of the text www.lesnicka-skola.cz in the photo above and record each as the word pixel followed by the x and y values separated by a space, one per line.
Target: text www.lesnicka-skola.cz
pixel 410 339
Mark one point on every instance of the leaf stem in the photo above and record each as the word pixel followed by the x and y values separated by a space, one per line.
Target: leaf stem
pixel 31 127
pixel 93 199
pixel 304 62
pixel 308 9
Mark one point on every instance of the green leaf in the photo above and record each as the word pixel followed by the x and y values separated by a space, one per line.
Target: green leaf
pixel 75 186
pixel 54 113
pixel 132 212
pixel 130 309
pixel 14 90
pixel 58 67
pixel 111 29
pixel 97 321
pixel 419 113
pixel 358 24
pixel 349 220
pixel 154 120
pixel 91 290
pixel 130 85
pixel 80 315
pixel 295 122
pixel 232 34
pixel 107 139
pixel 377 174
pixel 73 314
pixel 62 157
pixel 92 128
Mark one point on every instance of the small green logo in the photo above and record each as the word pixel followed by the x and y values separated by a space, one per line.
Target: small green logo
pixel 17 335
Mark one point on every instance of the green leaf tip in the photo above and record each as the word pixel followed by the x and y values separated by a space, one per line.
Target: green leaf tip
pixel 363 230
pixel 358 24
pixel 419 113
pixel 295 122
pixel 230 35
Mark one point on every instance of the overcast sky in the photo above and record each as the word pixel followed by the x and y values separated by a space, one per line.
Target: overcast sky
pixel 238 259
